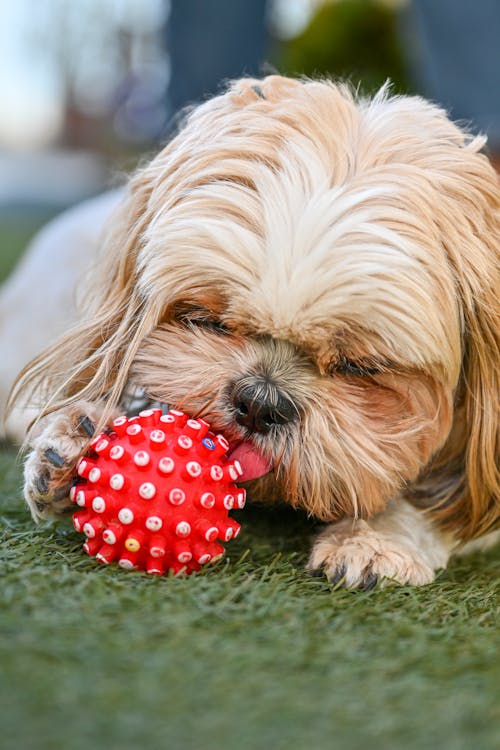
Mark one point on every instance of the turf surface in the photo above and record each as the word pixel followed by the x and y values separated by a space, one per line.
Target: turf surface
pixel 249 654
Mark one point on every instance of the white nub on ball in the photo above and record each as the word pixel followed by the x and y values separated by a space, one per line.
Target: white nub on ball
pixel 109 536
pixel 98 504
pixel 207 500
pixel 193 468
pixel 141 458
pixel 167 419
pixel 228 502
pixel 156 551
pixel 134 429
pixel 166 465
pixel 116 452
pixel 157 436
pixel 154 523
pixel 126 516
pixel 183 528
pixel 94 475
pixel 147 490
pixel 126 564
pixel 216 473
pixel 221 440
pixel 117 481
pixel 176 496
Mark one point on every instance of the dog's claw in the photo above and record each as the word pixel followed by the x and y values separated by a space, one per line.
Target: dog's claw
pixel 339 575
pixel 369 582
pixel 316 572
pixel 54 458
pixel 42 483
pixel 85 424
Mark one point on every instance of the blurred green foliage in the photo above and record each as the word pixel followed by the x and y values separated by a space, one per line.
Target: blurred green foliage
pixel 355 40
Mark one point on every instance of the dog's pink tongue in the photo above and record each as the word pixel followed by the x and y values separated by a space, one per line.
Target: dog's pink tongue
pixel 253 463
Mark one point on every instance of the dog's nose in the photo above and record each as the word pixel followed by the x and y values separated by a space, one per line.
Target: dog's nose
pixel 259 406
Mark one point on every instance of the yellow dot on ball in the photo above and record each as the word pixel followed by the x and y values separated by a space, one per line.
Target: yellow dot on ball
pixel 132 545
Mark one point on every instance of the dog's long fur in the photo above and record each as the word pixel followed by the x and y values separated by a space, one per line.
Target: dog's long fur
pixel 350 249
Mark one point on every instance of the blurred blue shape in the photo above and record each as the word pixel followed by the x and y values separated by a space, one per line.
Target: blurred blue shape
pixel 456 57
pixel 209 42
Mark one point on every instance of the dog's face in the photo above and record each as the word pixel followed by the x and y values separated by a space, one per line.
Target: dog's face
pixel 315 275
pixel 312 314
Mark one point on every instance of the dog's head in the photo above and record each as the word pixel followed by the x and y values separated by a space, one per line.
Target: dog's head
pixel 317 276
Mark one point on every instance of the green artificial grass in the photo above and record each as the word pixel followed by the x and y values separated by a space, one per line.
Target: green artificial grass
pixel 251 653
pixel 15 236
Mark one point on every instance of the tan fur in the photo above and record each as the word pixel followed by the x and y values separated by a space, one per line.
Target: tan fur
pixel 397 546
pixel 318 228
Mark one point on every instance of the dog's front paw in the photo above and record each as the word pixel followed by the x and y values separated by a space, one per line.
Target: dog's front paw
pixel 359 557
pixel 50 465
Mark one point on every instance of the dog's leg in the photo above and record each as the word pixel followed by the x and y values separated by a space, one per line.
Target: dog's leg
pixel 50 464
pixel 400 545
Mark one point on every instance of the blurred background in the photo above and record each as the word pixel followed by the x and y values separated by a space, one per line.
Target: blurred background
pixel 87 87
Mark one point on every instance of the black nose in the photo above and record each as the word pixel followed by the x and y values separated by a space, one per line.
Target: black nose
pixel 259 406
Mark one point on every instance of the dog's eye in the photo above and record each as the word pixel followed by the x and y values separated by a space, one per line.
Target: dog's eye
pixel 209 324
pixel 359 369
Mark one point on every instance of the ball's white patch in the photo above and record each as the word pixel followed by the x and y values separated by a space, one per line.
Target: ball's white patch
pixel 117 481
pixel 147 490
pixel 176 496
pixel 154 523
pixel 207 500
pixel 228 502
pixel 193 468
pixel 109 536
pixel 126 516
pixel 98 504
pixel 141 458
pixel 183 528
pixel 216 473
pixel 94 475
pixel 116 452
pixel 166 465
pixel 157 436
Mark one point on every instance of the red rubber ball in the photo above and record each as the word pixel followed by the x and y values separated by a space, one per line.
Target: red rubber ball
pixel 155 494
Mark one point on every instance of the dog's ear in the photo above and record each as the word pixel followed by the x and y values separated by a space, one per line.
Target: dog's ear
pixel 471 236
pixel 91 361
pixel 481 374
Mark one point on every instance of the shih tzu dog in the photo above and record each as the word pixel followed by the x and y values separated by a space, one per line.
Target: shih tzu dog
pixel 318 275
